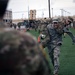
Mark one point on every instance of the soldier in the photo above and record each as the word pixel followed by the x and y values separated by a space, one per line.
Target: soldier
pixel 53 42
pixel 39 26
pixel 54 45
pixel 15 26
pixel 66 29
pixel 55 33
pixel 19 25
pixel 20 53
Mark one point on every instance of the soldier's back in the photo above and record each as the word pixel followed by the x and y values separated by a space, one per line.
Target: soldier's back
pixel 20 53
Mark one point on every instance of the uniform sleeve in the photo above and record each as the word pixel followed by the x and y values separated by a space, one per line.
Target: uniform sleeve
pixel 47 38
pixel 66 30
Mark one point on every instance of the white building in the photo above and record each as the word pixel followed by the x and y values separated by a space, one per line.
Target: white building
pixel 8 16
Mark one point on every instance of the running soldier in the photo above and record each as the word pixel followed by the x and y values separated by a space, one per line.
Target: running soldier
pixel 53 42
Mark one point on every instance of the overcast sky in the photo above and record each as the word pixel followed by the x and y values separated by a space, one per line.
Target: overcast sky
pixel 41 6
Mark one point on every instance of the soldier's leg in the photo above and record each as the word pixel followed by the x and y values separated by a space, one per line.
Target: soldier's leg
pixel 50 51
pixel 56 59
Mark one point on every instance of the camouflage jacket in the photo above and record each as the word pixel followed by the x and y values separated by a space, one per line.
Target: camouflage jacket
pixel 54 36
pixel 44 31
pixel 20 54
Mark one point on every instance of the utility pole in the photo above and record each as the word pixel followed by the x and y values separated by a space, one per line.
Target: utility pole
pixel 49 8
pixel 28 15
pixel 28 12
pixel 42 14
pixel 61 12
pixel 52 12
pixel 65 12
pixel 22 16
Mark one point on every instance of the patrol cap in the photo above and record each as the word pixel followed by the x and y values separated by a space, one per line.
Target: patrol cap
pixel 55 20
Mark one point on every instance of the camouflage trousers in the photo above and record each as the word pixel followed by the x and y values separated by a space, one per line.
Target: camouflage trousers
pixel 54 56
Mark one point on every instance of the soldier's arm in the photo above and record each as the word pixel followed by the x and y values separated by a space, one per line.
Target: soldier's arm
pixel 70 34
pixel 47 37
pixel 60 28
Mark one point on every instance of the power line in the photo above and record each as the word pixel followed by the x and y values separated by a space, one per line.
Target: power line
pixel 19 11
pixel 62 11
pixel 27 11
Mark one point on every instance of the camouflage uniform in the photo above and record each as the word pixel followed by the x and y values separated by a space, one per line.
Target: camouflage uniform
pixel 66 30
pixel 53 42
pixel 54 47
pixel 20 54
pixel 44 31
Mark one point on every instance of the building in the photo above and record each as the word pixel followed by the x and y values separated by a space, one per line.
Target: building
pixel 8 16
pixel 32 15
